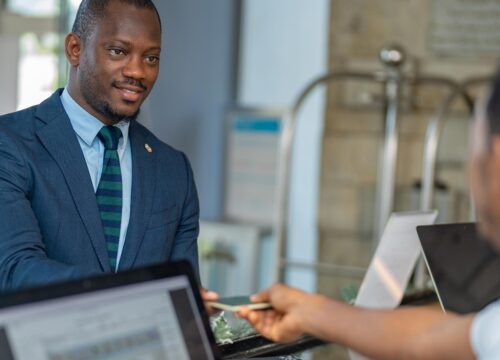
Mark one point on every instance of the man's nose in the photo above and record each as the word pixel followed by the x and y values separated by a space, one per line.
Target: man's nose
pixel 134 68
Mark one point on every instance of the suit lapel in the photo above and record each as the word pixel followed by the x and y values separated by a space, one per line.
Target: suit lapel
pixel 143 176
pixel 58 137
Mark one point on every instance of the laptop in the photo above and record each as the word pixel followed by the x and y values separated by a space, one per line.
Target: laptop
pixel 464 269
pixel 153 313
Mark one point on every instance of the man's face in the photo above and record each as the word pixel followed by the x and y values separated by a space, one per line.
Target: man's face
pixel 119 62
pixel 484 178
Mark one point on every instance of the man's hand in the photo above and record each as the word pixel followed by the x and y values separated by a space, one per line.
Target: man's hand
pixel 207 295
pixel 284 322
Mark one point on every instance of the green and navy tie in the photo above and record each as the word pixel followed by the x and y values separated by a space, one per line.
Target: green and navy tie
pixel 109 191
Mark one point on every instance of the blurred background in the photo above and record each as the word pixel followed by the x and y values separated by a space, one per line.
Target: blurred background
pixel 308 211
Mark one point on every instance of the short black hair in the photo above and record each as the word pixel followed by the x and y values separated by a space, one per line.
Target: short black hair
pixel 493 106
pixel 90 11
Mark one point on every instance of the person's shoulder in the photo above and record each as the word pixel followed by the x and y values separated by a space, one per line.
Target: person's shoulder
pixel 10 119
pixel 10 139
pixel 484 334
pixel 493 307
pixel 168 160
pixel 23 122
pixel 155 143
pixel 18 124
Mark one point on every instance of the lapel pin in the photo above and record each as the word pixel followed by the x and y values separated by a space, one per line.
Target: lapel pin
pixel 148 148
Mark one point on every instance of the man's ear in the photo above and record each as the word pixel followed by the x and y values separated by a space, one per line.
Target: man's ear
pixel 72 48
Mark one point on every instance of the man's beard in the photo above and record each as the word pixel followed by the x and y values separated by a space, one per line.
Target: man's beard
pixel 102 106
pixel 105 109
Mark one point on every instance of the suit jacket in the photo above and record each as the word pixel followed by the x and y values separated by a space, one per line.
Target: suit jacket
pixel 50 227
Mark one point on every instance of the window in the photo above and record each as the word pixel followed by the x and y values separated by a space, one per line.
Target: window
pixel 37 68
pixel 34 8
pixel 38 29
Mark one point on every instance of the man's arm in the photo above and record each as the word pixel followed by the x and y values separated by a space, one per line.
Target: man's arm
pixel 23 260
pixel 186 237
pixel 413 333
pixel 185 242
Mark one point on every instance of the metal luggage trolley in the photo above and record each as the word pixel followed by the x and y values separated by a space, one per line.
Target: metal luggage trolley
pixel 432 137
pixel 392 78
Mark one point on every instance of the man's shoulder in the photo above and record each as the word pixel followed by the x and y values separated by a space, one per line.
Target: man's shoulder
pixel 18 125
pixel 24 121
pixel 154 142
pixel 20 115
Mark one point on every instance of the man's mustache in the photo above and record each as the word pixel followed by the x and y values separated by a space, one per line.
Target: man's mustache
pixel 131 82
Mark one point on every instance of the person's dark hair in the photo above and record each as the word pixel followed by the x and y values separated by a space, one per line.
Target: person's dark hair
pixel 493 106
pixel 90 11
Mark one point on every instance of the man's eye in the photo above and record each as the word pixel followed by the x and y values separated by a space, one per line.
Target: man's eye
pixel 152 59
pixel 116 52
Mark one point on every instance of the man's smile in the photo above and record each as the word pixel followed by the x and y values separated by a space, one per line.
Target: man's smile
pixel 129 92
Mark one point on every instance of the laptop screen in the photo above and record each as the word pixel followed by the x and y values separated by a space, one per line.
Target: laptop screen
pixel 464 268
pixel 150 320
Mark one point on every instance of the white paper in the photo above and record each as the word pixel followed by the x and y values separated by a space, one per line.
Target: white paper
pixel 394 260
pixel 392 264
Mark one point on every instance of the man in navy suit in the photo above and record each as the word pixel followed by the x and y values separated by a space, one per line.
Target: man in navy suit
pixel 51 161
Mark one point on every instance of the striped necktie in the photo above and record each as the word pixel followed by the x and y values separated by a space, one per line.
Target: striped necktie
pixel 109 191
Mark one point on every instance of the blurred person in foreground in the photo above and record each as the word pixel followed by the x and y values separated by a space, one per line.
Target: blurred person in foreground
pixel 405 333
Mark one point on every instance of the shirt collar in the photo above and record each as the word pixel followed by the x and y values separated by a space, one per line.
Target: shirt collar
pixel 85 125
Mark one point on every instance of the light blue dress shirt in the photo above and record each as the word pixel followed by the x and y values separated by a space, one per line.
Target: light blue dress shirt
pixel 86 128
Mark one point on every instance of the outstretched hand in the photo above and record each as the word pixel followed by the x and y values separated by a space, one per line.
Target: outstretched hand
pixel 284 322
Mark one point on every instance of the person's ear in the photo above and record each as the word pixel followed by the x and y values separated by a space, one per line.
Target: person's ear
pixel 72 48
